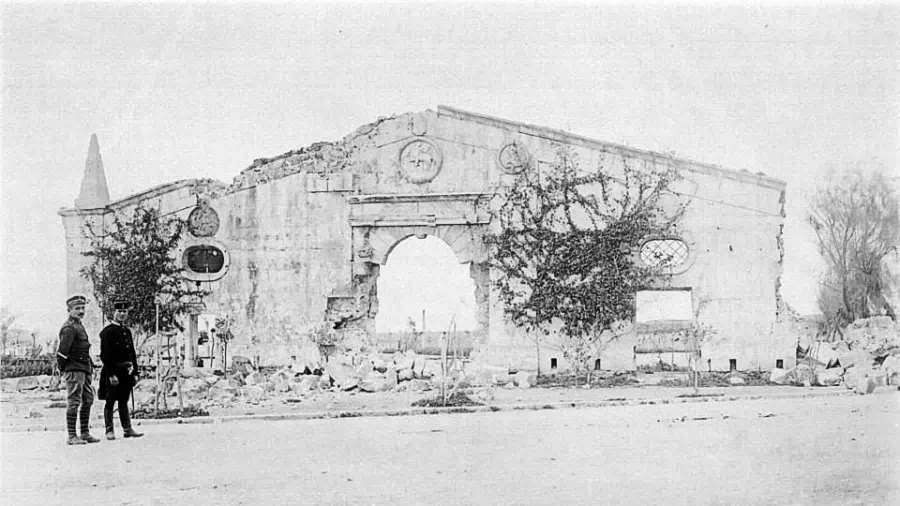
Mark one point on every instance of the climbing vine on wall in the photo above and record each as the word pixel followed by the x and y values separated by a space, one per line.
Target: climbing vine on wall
pixel 565 255
pixel 134 259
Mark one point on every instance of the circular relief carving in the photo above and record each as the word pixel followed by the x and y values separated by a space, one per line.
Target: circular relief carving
pixel 420 161
pixel 203 221
pixel 513 158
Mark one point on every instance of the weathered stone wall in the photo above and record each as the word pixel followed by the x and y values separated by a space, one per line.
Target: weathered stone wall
pixel 306 231
pixel 290 248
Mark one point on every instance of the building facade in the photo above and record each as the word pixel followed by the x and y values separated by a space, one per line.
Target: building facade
pixel 294 244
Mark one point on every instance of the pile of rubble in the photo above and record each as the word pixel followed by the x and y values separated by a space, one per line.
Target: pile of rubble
pixel 28 383
pixel 867 357
pixel 400 372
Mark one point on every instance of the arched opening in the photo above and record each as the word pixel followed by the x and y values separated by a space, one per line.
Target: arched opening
pixel 424 293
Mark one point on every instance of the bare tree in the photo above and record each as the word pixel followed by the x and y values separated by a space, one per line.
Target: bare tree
pixel 856 218
pixel 7 328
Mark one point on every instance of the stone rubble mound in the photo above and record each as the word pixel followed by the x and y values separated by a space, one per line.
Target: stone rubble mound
pixel 400 372
pixel 867 357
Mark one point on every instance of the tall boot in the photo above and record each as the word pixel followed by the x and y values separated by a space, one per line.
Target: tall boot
pixel 71 422
pixel 85 414
pixel 108 419
pixel 125 419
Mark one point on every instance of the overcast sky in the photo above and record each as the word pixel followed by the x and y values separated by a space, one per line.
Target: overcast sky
pixel 191 91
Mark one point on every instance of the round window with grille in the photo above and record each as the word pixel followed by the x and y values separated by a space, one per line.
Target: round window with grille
pixel 668 252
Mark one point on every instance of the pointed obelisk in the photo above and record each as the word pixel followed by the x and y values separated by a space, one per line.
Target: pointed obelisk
pixel 94 192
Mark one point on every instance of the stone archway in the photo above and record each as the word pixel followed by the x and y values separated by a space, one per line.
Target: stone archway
pixel 380 222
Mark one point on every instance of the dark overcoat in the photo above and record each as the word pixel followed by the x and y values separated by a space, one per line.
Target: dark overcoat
pixel 117 353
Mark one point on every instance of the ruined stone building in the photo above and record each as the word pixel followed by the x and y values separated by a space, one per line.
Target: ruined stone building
pixel 297 240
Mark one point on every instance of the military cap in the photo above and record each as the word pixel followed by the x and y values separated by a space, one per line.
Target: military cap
pixel 76 299
pixel 121 304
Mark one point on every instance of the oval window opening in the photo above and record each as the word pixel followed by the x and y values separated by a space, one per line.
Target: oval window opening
pixel 204 259
pixel 664 252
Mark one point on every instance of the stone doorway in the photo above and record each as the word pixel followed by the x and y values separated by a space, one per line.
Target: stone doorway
pixel 424 293
pixel 380 222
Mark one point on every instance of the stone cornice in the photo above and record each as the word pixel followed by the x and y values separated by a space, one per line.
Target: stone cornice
pixel 578 140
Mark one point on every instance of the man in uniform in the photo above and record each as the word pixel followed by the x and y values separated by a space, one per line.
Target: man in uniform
pixel 73 357
pixel 119 373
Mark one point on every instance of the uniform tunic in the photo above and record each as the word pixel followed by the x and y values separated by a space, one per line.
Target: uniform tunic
pixel 74 352
pixel 117 353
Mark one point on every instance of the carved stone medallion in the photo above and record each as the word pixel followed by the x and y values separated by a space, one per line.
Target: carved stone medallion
pixel 513 158
pixel 420 161
pixel 203 221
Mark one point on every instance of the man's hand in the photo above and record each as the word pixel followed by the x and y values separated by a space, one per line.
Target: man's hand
pixel 114 381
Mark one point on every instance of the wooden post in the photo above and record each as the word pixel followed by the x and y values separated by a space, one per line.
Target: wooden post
pixel 158 361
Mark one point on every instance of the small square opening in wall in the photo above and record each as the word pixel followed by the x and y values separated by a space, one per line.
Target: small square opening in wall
pixel 597 364
pixel 732 364
pixel 779 364
pixel 553 363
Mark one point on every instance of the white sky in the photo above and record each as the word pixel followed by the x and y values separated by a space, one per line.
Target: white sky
pixel 424 275
pixel 180 91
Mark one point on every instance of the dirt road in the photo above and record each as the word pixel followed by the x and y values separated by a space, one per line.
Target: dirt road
pixel 816 451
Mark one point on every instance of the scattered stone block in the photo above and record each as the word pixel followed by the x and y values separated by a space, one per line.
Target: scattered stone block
pixel 341 374
pixel 852 376
pixel 365 368
pixel 349 383
pixel 502 379
pixel 829 377
pixel 865 385
pixel 524 379
pixel 857 358
pixel 194 387
pixel 283 375
pixel 27 383
pixel 307 383
pixel 44 381
pixel 801 375
pixel 392 377
pixel 242 365
pixel 405 375
pixel 779 376
pixel 254 378
pixel 736 380
pixel 419 385
pixel 303 366
pixel 221 391
pixel 374 382
pixel 254 393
